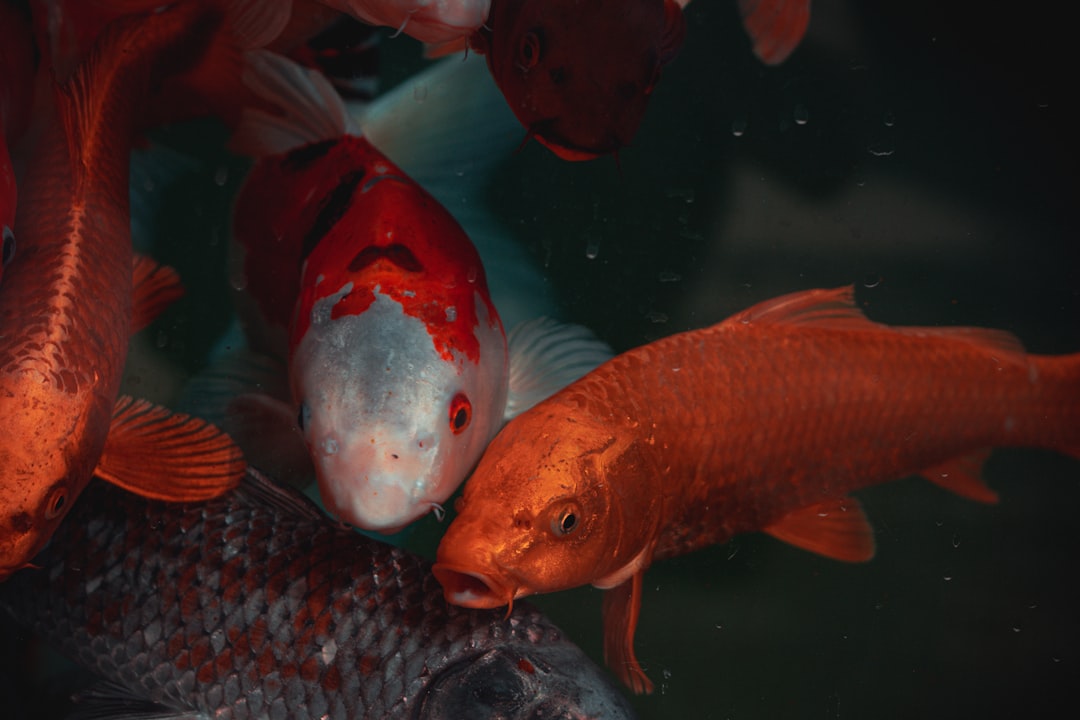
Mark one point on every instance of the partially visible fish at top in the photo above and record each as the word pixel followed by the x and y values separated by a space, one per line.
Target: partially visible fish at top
pixel 765 422
pixel 579 73
pixel 18 60
pixel 430 21
pixel 66 315
pixel 399 367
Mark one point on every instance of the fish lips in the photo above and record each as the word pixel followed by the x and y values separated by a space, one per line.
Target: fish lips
pixel 472 589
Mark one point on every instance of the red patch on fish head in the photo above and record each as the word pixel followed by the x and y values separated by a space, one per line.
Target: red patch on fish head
pixel 579 75
pixel 394 237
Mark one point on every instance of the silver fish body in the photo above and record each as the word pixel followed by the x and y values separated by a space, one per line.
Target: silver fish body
pixel 255 605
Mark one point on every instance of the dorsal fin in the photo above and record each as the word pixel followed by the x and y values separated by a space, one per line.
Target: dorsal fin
pixel 833 308
pixel 310 110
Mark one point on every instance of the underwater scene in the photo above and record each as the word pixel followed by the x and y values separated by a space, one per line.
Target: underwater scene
pixel 865 557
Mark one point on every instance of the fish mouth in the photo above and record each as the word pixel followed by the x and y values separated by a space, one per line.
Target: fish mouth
pixel 472 589
pixel 545 133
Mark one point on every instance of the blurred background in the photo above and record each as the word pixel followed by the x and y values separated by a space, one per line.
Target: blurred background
pixel 923 151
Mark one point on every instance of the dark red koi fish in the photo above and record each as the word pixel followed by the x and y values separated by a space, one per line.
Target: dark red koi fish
pixel 578 73
pixel 764 422
pixel 17 69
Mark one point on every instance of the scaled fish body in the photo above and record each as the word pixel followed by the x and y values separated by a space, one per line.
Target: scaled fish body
pixel 67 312
pixel 764 422
pixel 255 605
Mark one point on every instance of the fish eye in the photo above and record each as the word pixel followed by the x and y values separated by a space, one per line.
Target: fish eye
pixel 460 413
pixel 566 520
pixel 56 503
pixel 529 50
pixel 9 246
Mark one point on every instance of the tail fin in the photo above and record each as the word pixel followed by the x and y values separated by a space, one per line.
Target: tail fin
pixel 1059 415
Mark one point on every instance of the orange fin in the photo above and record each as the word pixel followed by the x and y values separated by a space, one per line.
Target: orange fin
pixel 963 476
pixel 621 606
pixel 162 455
pixel 837 529
pixel 776 27
pixel 154 287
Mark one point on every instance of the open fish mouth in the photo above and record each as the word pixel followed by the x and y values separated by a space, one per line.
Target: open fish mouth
pixel 472 589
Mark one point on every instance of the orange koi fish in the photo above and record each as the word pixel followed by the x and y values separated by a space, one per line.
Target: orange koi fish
pixel 399 366
pixel 579 73
pixel 764 422
pixel 66 315
pixel 17 69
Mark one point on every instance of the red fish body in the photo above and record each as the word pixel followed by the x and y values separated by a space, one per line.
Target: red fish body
pixel 765 422
pixel 67 313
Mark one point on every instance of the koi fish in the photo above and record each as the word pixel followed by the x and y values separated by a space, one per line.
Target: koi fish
pixel 400 370
pixel 256 605
pixel 764 422
pixel 67 314
pixel 579 75
pixel 17 70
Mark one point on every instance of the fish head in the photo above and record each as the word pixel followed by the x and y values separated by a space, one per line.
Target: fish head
pixel 579 75
pixel 392 423
pixel 46 460
pixel 549 678
pixel 552 505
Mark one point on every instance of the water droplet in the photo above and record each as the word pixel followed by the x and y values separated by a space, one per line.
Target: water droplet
pixel 162 340
pixel 871 281
pixel 655 316
pixel 667 276
pixel 592 248
pixel 881 150
pixel 947 577
pixel 956 540
pixel 801 115
pixel 419 93
pixel 1016 628
pixel 667 674
pixel 889 119
pixel 221 175
pixel 738 126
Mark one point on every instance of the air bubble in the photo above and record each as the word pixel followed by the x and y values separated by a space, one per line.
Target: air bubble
pixel 221 175
pixel 801 115
pixel 871 281
pixel 738 126
pixel 592 248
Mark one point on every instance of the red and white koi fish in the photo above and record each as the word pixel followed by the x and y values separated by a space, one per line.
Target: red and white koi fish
pixel 66 315
pixel 398 362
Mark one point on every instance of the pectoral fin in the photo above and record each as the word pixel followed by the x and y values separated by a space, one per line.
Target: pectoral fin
pixel 154 288
pixel 837 529
pixel 162 455
pixel 621 606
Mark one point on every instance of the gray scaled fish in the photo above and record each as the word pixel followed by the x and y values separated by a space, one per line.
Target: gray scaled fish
pixel 255 605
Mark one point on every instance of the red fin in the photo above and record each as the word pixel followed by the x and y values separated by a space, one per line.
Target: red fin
pixel 162 455
pixel 265 428
pixel 837 529
pixel 155 287
pixel 963 476
pixel 621 606
pixel 775 26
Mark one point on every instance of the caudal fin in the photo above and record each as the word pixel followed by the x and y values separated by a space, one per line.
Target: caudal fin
pixel 1058 416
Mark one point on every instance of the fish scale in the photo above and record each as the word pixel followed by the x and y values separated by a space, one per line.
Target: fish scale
pixel 255 605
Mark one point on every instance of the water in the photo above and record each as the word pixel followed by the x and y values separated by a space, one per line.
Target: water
pixel 935 172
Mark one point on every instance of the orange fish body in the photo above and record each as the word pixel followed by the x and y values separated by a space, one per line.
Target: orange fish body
pixel 67 312
pixel 765 422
